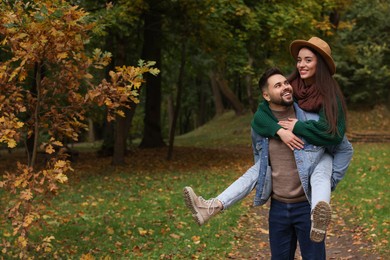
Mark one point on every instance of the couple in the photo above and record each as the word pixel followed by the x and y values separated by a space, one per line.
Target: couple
pixel 297 173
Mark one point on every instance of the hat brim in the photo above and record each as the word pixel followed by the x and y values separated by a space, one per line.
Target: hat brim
pixel 297 45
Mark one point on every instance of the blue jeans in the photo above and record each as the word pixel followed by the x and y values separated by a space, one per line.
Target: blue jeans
pixel 289 223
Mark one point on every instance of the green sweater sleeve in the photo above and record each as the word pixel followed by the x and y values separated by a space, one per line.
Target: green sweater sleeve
pixel 264 122
pixel 316 132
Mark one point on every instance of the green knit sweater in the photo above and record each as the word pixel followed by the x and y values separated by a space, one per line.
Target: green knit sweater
pixel 315 132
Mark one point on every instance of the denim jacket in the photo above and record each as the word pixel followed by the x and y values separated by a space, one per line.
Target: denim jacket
pixel 306 160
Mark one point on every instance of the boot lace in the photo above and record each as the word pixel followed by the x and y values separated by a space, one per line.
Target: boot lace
pixel 210 205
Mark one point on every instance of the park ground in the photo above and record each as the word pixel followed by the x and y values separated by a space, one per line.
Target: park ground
pixel 212 149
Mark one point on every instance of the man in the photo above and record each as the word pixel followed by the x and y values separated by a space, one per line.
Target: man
pixel 280 174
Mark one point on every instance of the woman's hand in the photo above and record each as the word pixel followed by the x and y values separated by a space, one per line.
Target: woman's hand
pixel 288 124
pixel 291 140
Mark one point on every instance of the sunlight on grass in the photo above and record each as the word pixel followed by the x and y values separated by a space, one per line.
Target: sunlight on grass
pixel 226 130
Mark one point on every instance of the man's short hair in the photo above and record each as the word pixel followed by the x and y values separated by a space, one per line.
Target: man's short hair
pixel 266 75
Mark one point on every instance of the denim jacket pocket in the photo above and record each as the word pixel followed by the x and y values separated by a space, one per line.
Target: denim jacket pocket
pixel 312 153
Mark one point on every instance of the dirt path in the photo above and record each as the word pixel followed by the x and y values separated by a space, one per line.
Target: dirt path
pixel 252 238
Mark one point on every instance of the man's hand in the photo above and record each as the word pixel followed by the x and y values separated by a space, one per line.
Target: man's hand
pixel 288 124
pixel 291 140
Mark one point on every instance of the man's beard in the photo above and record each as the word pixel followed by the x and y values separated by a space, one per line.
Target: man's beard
pixel 286 103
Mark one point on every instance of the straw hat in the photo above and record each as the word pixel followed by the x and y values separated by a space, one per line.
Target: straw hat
pixel 317 44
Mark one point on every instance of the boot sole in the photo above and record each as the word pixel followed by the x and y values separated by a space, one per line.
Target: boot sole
pixel 321 217
pixel 191 205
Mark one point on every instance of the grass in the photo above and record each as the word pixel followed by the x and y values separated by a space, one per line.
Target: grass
pixel 225 131
pixel 137 211
pixel 364 194
pixel 136 215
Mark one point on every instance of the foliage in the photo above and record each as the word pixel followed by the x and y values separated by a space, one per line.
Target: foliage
pixel 225 36
pixel 31 190
pixel 242 38
pixel 364 54
pixel 45 88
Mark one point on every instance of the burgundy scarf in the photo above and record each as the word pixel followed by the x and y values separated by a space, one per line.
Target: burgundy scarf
pixel 308 97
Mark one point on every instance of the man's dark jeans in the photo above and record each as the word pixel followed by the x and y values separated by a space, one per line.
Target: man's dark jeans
pixel 289 223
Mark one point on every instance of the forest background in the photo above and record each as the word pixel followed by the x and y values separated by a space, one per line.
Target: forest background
pixel 211 53
pixel 199 59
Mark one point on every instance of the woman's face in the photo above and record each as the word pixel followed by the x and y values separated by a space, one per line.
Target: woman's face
pixel 306 64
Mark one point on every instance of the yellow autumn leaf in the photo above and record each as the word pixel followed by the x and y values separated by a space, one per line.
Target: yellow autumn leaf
pixel 175 236
pixel 4 42
pixel 26 194
pixel 21 36
pixel 110 230
pixel 22 76
pixel 88 256
pixel 195 239
pixel 58 143
pixel 60 164
pixel 22 241
pixel 28 220
pixel 61 178
pixel 11 143
pixel 62 55
pixel 88 76
pixel 18 182
pixel 142 231
pixel 120 113
pixel 49 149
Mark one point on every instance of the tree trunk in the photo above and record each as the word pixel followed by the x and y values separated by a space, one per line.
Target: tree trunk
pixel 202 112
pixel 219 107
pixel 249 88
pixel 122 126
pixel 38 78
pixel 91 131
pixel 152 52
pixel 388 101
pixel 30 139
pixel 178 100
pixel 229 95
pixel 107 148
pixel 171 109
